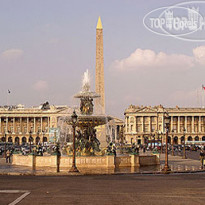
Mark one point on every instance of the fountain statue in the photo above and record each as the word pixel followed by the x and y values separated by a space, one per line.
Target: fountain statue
pixel 86 137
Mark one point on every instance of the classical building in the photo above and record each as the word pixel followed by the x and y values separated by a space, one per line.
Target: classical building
pixel 20 125
pixel 145 124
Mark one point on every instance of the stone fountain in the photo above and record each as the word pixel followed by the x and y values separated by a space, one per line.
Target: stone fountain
pixel 86 137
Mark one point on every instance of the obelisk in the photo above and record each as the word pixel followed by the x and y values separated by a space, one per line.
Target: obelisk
pixel 99 82
pixel 99 68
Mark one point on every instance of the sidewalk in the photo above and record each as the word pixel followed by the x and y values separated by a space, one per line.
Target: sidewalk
pixel 176 163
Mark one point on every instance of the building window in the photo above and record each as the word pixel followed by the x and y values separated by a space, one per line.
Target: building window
pixel 139 128
pixel 131 128
pixel 146 128
pixel 18 129
pixel 39 129
pixel 153 128
pixel 12 129
pixel 138 120
pixel 189 128
pixel 132 120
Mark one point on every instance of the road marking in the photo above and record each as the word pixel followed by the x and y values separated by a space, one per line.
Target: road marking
pixel 25 193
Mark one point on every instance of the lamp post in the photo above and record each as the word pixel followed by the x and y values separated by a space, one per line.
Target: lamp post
pixel 5 146
pixel 74 119
pixel 184 148
pixel 160 138
pixel 30 138
pixel 166 168
pixel 173 142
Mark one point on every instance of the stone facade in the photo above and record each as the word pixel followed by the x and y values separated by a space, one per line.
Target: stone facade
pixel 18 124
pixel 145 124
pixel 86 162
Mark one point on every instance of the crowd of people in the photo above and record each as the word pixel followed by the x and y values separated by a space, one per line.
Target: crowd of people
pixel 111 149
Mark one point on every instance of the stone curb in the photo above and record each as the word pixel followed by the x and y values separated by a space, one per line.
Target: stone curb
pixel 87 174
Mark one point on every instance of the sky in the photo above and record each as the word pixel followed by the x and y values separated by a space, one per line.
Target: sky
pixel 46 46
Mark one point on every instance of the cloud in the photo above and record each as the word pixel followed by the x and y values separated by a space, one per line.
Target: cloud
pixel 11 54
pixel 40 85
pixel 187 97
pixel 199 54
pixel 146 59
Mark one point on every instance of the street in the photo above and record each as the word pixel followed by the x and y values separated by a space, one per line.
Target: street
pixel 106 189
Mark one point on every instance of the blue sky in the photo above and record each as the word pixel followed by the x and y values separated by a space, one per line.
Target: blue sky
pixel 47 45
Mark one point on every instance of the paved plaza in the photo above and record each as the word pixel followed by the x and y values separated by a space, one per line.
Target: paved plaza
pixel 105 189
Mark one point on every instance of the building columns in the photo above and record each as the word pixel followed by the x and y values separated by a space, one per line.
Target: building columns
pixel 163 128
pixel 199 125
pixel 178 124
pixel 14 128
pixel 48 125
pixel 34 125
pixel 41 124
pixel 27 128
pixel 21 130
pixel 0 126
pixel 185 123
pixel 7 125
pixel 150 123
pixel 192 127
pixel 135 125
pixel 171 123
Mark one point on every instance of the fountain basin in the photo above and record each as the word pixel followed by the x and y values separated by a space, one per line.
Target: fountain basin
pixel 107 161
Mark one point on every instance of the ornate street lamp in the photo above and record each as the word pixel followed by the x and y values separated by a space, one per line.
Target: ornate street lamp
pixel 166 168
pixel 154 139
pixel 173 142
pixel 30 138
pixel 74 119
pixel 184 147
pixel 160 138
pixel 5 146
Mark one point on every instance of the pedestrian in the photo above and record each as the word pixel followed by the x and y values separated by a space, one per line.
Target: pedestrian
pixel 137 149
pixel 202 158
pixel 8 156
pixel 144 149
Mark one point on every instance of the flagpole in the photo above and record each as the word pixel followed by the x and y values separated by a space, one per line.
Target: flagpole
pixel 7 98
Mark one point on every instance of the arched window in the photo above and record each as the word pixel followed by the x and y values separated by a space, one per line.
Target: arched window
pixel 182 139
pixel 17 140
pixel 196 138
pixel 37 140
pixel 175 140
pixel 203 138
pixel 10 139
pixel 45 139
pixel 23 140
pixel 30 139
pixel 189 138
pixel 3 139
